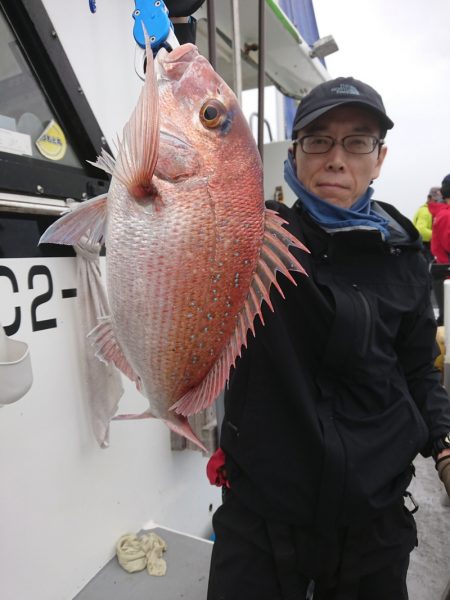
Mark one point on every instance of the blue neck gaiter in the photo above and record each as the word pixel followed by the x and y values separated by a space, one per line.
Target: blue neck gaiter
pixel 334 218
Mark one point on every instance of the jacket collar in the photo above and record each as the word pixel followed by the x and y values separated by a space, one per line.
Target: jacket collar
pixel 344 243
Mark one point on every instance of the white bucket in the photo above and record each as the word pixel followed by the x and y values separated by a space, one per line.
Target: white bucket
pixel 16 376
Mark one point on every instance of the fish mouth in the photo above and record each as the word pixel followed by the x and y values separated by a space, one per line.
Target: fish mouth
pixel 172 65
pixel 180 53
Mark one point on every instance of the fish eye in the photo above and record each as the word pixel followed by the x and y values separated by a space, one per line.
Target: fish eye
pixel 213 113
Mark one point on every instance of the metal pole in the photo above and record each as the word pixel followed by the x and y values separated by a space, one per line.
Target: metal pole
pixel 211 33
pixel 237 67
pixel 261 73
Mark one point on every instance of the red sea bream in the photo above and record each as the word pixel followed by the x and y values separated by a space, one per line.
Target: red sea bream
pixel 191 250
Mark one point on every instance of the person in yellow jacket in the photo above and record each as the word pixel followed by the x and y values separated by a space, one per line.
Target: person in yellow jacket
pixel 423 219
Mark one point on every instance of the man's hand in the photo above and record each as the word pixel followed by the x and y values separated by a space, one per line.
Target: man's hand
pixel 443 468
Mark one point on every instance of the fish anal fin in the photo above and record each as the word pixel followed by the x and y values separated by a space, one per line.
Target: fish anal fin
pixel 85 223
pixel 108 350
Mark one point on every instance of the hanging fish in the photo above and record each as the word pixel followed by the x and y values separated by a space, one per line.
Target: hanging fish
pixel 191 250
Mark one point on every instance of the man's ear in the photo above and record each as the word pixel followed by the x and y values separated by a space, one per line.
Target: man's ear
pixel 291 150
pixel 380 159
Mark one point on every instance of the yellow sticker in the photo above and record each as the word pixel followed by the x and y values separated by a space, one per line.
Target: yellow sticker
pixel 52 142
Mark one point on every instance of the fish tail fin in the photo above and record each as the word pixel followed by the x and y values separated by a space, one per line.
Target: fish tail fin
pixel 181 426
pixel 138 150
pixel 85 223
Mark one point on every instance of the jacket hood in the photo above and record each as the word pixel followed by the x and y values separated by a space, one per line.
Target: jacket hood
pixel 402 231
pixel 436 207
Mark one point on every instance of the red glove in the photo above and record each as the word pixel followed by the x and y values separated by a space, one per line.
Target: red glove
pixel 215 469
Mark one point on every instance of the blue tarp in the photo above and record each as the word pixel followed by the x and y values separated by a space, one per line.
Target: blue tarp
pixel 301 13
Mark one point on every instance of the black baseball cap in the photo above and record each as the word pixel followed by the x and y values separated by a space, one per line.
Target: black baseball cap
pixel 446 180
pixel 336 92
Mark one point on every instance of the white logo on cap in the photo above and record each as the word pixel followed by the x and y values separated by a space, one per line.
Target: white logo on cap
pixel 344 88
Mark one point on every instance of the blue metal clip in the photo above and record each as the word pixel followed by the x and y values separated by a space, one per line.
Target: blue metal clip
pixel 153 14
pixel 92 6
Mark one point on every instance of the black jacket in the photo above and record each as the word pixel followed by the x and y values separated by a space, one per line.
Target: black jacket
pixel 337 393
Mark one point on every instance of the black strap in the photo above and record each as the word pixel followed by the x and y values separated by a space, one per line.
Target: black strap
pixel 182 8
pixel 186 33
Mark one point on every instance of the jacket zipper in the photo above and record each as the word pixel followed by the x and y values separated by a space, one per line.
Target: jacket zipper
pixel 367 314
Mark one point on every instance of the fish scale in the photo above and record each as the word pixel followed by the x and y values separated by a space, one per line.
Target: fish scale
pixel 191 251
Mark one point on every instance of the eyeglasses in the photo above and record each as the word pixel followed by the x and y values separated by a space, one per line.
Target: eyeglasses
pixel 354 144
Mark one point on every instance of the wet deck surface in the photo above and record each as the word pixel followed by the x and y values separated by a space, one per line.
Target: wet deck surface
pixel 429 573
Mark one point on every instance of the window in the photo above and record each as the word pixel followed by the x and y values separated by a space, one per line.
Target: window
pixel 47 129
pixel 27 125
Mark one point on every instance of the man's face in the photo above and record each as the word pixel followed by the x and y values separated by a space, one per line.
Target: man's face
pixel 338 176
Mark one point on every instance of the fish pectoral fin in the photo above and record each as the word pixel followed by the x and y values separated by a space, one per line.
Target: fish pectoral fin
pixel 177 160
pixel 85 223
pixel 275 256
pixel 181 426
pixel 108 350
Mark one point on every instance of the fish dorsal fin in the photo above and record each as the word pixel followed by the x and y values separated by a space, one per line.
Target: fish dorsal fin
pixel 138 150
pixel 108 350
pixel 86 222
pixel 275 256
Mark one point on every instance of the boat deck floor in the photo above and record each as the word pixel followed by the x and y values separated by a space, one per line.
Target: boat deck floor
pixel 188 558
pixel 186 578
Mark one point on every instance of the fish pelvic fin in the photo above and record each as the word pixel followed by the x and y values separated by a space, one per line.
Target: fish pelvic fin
pixel 86 222
pixel 274 256
pixel 108 350
pixel 139 148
